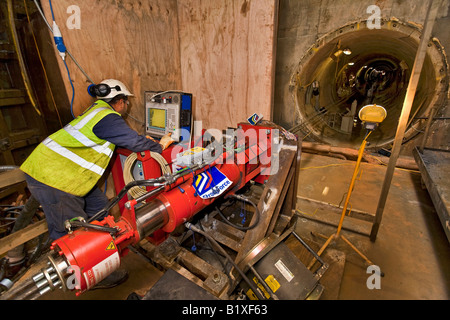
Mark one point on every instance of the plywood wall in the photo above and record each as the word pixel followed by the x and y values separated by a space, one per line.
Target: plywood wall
pixel 221 51
pixel 133 41
pixel 227 58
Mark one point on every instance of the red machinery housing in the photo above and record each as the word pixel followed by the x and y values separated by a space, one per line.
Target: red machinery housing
pixel 94 253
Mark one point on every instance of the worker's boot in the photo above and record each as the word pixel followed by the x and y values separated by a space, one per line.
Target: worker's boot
pixel 113 280
pixel 16 255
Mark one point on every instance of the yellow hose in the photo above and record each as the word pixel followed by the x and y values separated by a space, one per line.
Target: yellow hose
pixel 42 64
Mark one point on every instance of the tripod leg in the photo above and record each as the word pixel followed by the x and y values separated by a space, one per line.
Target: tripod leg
pixel 369 263
pixel 325 245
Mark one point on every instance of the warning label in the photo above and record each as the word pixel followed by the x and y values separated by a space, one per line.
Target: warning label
pixel 111 246
pixel 101 270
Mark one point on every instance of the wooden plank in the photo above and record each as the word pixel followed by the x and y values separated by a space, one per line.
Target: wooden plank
pixel 17 238
pixel 224 233
pixel 9 178
pixel 4 102
pixel 18 187
pixel 213 280
pixel 351 212
pixel 331 215
pixel 188 265
pixel 228 59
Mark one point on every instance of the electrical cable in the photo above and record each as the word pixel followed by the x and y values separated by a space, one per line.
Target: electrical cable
pixel 62 50
pixel 257 213
pixel 160 182
pixel 250 283
pixel 59 42
pixel 73 89
pixel 219 258
pixel 167 91
pixel 137 120
pixel 51 9
pixel 76 223
pixel 67 50
pixel 123 192
pixel 128 177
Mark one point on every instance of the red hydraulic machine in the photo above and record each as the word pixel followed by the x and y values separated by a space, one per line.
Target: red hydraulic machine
pixel 199 176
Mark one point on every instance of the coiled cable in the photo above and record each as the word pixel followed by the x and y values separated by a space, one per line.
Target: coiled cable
pixel 137 192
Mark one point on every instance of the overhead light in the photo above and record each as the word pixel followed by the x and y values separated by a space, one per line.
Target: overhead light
pixel 347 51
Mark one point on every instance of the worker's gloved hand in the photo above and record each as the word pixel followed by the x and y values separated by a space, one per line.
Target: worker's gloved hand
pixel 150 138
pixel 166 141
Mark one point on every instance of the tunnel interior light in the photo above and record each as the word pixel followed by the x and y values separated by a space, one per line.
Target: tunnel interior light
pixel 347 51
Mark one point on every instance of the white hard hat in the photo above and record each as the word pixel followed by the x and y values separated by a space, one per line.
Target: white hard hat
pixel 117 87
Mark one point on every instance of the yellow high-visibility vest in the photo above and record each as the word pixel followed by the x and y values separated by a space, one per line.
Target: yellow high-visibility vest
pixel 73 159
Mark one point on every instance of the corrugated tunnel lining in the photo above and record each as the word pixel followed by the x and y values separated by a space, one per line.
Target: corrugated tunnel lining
pixel 343 78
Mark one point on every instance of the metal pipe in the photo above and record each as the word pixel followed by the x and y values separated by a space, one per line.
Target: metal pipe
pixel 22 291
pixel 151 217
pixel 8 168
pixel 427 129
pixel 318 258
pixel 40 275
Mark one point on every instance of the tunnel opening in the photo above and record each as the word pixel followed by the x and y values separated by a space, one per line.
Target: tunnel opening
pixel 355 66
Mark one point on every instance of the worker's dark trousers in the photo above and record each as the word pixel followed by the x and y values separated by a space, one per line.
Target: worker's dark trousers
pixel 60 206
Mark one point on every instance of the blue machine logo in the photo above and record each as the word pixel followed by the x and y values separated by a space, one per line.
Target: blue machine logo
pixel 254 119
pixel 211 183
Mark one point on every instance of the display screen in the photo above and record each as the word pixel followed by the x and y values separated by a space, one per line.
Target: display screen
pixel 157 118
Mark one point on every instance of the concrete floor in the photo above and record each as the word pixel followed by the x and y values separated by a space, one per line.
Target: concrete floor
pixel 411 247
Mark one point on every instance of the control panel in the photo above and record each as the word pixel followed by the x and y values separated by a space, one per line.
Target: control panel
pixel 168 112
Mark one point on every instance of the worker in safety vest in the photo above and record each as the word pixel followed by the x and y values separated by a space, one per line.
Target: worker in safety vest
pixel 63 171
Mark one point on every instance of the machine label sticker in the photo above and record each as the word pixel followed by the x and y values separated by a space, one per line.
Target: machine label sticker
pixel 287 274
pixel 101 270
pixel 211 183
pixel 273 284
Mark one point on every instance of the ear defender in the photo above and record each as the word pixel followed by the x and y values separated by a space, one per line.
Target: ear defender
pixel 101 90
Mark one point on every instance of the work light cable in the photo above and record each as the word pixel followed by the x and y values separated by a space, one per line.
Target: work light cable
pixel 62 49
